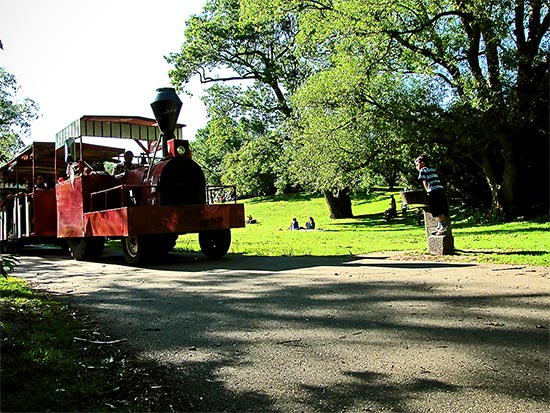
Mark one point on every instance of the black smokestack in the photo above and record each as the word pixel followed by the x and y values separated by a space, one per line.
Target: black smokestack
pixel 166 107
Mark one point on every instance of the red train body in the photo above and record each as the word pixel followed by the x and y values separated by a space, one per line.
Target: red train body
pixel 146 207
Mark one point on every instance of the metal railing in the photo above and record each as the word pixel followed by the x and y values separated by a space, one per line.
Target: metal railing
pixel 130 195
pixel 20 208
pixel 221 194
pixel 120 196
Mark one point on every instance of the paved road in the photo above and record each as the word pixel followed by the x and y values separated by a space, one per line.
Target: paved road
pixel 326 334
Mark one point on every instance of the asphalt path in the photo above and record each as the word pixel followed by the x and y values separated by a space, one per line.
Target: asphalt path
pixel 323 334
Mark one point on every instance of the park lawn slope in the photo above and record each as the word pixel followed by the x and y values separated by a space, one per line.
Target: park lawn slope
pixel 520 242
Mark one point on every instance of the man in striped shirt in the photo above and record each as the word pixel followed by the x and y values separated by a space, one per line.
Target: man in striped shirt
pixel 437 199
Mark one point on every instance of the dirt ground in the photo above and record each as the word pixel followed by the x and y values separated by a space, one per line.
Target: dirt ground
pixel 374 333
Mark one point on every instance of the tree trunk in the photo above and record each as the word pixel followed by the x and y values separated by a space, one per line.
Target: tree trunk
pixel 489 168
pixel 339 203
pixel 511 188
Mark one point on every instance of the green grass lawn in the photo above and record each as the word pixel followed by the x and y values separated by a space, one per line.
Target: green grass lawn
pixel 511 243
pixel 45 368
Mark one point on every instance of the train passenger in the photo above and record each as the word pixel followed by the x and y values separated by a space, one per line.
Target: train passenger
pixel 40 182
pixel 69 168
pixel 27 187
pixel 74 168
pixel 125 165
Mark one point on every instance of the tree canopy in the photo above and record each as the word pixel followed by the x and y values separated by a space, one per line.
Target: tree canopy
pixel 368 85
pixel 252 71
pixel 16 115
pixel 221 46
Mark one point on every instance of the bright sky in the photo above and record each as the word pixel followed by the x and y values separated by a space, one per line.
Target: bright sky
pixel 100 57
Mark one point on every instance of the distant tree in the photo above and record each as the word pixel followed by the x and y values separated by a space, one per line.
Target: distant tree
pixel 211 145
pixel 345 138
pixel 15 116
pixel 222 135
pixel 227 141
pixel 254 167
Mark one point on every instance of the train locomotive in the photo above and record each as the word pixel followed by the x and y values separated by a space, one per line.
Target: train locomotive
pixel 146 207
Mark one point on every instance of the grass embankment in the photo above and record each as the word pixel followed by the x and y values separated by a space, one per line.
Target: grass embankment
pixel 44 368
pixel 521 242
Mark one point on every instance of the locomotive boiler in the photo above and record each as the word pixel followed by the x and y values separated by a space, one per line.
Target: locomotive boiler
pixel 146 207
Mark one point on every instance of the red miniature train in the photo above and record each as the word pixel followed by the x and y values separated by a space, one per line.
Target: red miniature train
pixel 146 207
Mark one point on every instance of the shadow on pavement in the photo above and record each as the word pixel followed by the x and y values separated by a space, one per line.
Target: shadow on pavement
pixel 209 330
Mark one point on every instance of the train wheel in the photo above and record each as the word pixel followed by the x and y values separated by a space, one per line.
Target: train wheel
pixel 64 245
pixel 86 249
pixel 215 244
pixel 10 246
pixel 136 250
pixel 162 244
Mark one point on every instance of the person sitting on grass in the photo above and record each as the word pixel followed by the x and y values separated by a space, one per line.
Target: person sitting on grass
pixel 294 224
pixel 310 224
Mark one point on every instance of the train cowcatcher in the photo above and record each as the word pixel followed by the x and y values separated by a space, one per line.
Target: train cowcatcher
pixel 146 207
